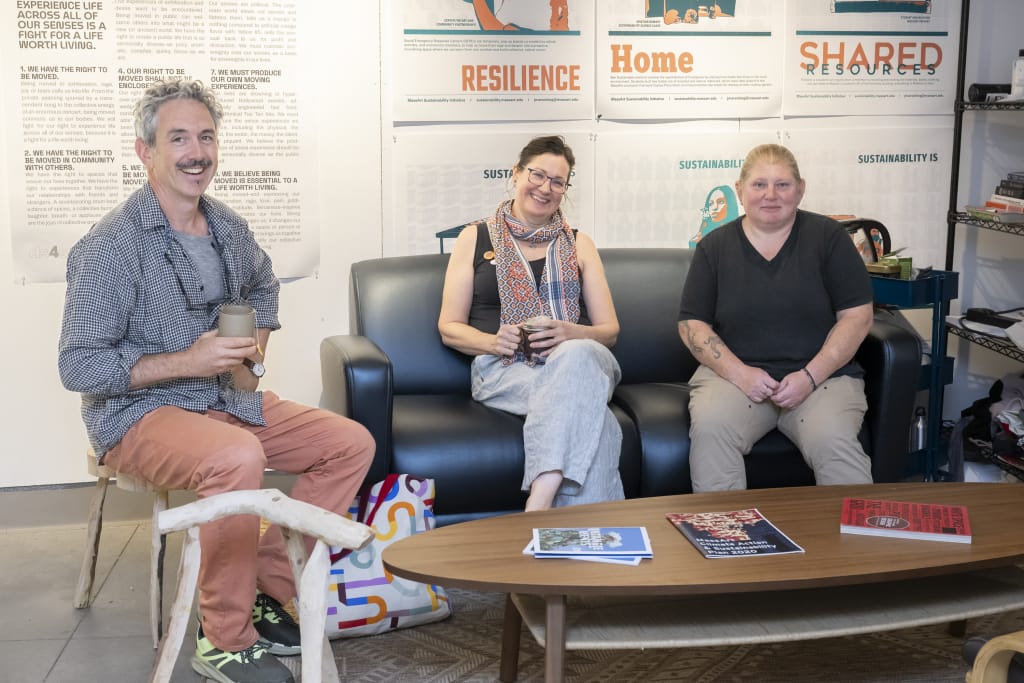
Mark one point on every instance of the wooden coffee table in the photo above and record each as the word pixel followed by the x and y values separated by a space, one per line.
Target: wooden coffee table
pixel 843 584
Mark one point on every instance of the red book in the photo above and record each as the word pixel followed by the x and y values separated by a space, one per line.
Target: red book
pixel 923 521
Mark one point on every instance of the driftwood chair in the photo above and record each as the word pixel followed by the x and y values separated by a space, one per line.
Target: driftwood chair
pixel 995 663
pixel 86 577
pixel 296 519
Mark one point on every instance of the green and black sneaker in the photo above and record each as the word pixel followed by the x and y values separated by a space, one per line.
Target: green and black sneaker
pixel 254 664
pixel 275 626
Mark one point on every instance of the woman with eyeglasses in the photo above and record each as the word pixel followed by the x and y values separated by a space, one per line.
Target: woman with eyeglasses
pixel 525 263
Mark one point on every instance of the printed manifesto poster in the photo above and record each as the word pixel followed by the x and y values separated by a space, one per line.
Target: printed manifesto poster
pixel 870 57
pixel 72 72
pixel 684 60
pixel 897 174
pixel 481 60
pixel 443 179
pixel 669 188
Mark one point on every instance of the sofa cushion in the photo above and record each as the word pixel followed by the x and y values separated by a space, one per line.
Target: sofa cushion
pixel 646 285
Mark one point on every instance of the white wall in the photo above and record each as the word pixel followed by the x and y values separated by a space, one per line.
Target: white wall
pixel 43 435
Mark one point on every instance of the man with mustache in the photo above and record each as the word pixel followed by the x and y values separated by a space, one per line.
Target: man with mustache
pixel 167 400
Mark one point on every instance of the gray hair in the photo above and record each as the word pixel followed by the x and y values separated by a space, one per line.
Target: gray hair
pixel 161 92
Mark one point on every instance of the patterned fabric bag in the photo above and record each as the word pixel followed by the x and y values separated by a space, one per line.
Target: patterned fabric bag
pixel 363 598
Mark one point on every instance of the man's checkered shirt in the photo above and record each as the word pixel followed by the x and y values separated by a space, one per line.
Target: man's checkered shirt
pixel 133 291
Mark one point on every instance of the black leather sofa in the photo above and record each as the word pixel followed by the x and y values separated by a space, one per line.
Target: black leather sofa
pixel 394 375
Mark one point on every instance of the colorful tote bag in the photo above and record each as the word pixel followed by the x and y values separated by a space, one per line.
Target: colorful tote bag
pixel 362 597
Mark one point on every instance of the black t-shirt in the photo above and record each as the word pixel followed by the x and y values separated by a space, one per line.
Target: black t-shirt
pixel 776 314
pixel 485 310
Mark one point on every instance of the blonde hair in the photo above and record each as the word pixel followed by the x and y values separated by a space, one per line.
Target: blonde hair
pixel 769 154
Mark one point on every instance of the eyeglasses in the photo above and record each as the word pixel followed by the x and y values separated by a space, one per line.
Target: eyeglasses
pixel 538 178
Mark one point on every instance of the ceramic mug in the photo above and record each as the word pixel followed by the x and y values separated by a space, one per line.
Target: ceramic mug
pixel 237 320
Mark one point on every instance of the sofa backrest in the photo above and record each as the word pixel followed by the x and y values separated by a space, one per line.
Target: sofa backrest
pixel 646 285
pixel 395 303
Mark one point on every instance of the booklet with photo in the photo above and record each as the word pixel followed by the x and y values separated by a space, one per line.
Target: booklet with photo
pixel 737 533
pixel 630 560
pixel 618 541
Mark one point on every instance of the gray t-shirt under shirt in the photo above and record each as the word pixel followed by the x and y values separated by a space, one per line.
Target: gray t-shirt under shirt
pixel 206 259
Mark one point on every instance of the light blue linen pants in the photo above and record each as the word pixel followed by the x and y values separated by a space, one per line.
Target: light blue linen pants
pixel 725 425
pixel 569 426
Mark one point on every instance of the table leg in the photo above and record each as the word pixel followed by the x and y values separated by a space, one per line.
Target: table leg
pixel 554 640
pixel 957 629
pixel 510 636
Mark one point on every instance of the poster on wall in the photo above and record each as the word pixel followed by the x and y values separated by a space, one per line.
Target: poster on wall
pixel 445 178
pixel 72 73
pixel 481 60
pixel 670 187
pixel 670 59
pixel 899 176
pixel 867 57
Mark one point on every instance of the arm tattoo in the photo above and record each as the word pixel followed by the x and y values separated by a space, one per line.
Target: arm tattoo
pixel 714 344
pixel 691 340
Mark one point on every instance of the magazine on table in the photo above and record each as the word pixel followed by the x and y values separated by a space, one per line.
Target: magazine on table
pixel 900 519
pixel 736 533
pixel 622 543
pixel 631 561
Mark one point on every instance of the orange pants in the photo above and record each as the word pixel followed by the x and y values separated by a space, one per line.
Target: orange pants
pixel 215 453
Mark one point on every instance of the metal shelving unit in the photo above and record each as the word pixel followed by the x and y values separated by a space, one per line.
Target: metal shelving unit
pixel 955 216
pixel 1003 346
pixel 968 219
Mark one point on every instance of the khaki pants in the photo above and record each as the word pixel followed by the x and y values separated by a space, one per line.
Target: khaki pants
pixel 725 425
pixel 215 453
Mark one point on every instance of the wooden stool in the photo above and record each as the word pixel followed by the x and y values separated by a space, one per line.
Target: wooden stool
pixel 295 519
pixel 157 544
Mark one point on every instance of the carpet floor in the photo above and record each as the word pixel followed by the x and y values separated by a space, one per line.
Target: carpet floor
pixel 467 647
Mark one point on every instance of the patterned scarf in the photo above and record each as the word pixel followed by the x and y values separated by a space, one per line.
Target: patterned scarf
pixel 558 293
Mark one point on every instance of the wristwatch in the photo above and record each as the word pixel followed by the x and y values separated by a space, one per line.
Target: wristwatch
pixel 255 368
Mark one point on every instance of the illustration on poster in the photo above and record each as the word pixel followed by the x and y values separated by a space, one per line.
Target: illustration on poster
pixel 522 15
pixel 720 207
pixel 685 12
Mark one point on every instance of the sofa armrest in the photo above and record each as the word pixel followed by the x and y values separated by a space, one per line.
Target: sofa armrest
pixel 891 358
pixel 358 383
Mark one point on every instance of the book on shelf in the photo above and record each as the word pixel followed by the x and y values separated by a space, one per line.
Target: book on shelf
pixel 736 533
pixel 995 215
pixel 903 519
pixel 1003 203
pixel 578 542
pixel 1007 189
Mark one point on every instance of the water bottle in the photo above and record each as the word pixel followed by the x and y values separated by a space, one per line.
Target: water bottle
pixel 917 430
